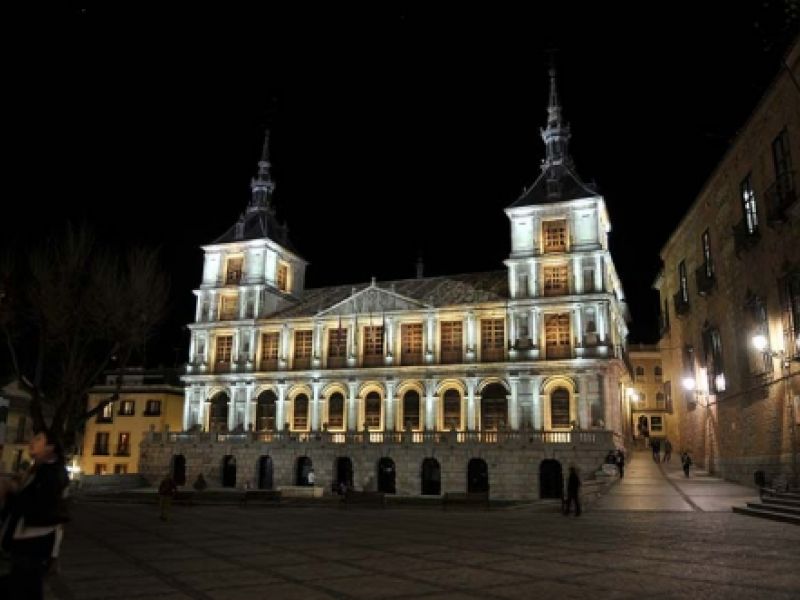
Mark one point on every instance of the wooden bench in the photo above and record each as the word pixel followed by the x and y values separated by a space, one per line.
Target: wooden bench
pixel 260 496
pixel 364 498
pixel 465 499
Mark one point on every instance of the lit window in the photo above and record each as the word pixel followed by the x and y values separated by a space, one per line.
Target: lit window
pixel 302 349
pixel 228 307
pixel 127 408
pixel 411 343
pixel 283 277
pixel 556 332
pixel 224 348
pixel 749 205
pixel 683 282
pixel 269 351
pixel 373 345
pixel 451 341
pixel 452 410
pixel 234 270
pixel 555 235
pixel 707 262
pixel 492 339
pixel 555 280
pixel 559 408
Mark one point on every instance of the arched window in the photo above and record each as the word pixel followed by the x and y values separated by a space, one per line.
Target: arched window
pixel 265 411
pixel 336 411
pixel 559 408
pixel 411 407
pixel 494 407
pixel 452 410
pixel 372 410
pixel 300 412
pixel 218 413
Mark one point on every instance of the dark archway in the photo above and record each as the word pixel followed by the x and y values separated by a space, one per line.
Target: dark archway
pixel 265 473
pixel 494 407
pixel 343 473
pixel 218 413
pixel 477 476
pixel 229 471
pixel 265 411
pixel 431 477
pixel 304 467
pixel 179 469
pixel 551 479
pixel 386 476
pixel 559 408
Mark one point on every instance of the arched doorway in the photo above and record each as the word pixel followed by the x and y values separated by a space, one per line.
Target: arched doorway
pixel 386 476
pixel 229 471
pixel 265 473
pixel 477 476
pixel 218 412
pixel 431 477
pixel 344 473
pixel 551 480
pixel 265 411
pixel 179 469
pixel 494 407
pixel 559 408
pixel 304 467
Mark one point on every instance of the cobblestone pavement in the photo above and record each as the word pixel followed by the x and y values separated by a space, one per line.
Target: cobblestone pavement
pixel 230 552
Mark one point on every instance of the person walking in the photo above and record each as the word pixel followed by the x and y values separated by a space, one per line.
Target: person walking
pixel 687 462
pixel 573 488
pixel 621 463
pixel 32 517
pixel 667 450
pixel 166 491
pixel 656 445
pixel 311 478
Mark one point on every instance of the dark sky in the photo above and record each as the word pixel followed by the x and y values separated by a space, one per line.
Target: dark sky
pixel 394 129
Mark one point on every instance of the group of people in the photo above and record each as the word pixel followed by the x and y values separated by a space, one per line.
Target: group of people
pixel 32 516
pixel 617 457
pixel 655 445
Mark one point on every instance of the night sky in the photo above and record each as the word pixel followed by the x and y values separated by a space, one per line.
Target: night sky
pixel 394 130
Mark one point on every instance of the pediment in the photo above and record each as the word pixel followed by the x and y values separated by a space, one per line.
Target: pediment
pixel 373 300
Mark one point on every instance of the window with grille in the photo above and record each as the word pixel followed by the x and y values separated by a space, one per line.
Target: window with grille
pixel 749 204
pixel 234 270
pixel 302 349
pixel 554 234
pixel 492 339
pixel 411 343
pixel 228 307
pixel 300 412
pixel 411 410
pixel 224 349
pixel 451 341
pixel 556 331
pixel 337 347
pixel 452 410
pixel 373 345
pixel 336 411
pixel 559 408
pixel 555 280
pixel 372 410
pixel 269 351
pixel 283 277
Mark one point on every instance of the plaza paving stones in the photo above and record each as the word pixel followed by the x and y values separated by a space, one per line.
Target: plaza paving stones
pixel 653 535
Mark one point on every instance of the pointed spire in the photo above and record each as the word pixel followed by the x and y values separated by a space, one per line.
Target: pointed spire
pixel 556 134
pixel 262 185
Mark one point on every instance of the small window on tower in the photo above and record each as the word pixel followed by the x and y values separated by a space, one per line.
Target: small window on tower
pixel 283 277
pixel 555 235
pixel 234 270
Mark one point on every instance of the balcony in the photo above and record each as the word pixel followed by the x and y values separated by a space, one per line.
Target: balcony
pixel 780 196
pixel 705 279
pixel 745 237
pixel 681 304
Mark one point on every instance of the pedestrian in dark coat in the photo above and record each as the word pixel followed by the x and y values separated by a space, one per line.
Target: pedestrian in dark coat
pixel 166 492
pixel 621 463
pixel 667 450
pixel 656 445
pixel 687 462
pixel 573 488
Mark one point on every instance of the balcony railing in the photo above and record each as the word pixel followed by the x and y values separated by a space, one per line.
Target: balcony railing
pixel 780 196
pixel 681 304
pixel 337 362
pixel 269 364
pixel 745 237
pixel 301 363
pixel 705 279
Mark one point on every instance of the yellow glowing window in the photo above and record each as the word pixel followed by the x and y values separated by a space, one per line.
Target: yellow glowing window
pixel 555 235
pixel 283 277
pixel 555 280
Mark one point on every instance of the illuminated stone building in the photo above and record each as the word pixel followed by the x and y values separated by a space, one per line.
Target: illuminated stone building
pixel 650 396
pixel 730 297
pixel 420 385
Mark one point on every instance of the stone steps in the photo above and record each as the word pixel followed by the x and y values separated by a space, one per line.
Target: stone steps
pixel 791 510
pixel 781 501
pixel 763 511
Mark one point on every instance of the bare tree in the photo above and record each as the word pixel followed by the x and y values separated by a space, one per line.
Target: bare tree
pixel 74 310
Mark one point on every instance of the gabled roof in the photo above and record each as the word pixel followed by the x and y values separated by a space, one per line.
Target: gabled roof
pixel 258 224
pixel 434 292
pixel 571 187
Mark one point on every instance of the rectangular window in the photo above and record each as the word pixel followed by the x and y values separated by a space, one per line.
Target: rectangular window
pixel 451 342
pixel 781 156
pixel 337 347
pixel 373 345
pixel 228 308
pixel 712 353
pixel 411 343
pixel 100 469
pixel 124 444
pixel 749 205
pixel 492 339
pixel 557 336
pixel 101 443
pixel 269 351
pixel 705 241
pixel 106 415
pixel 127 408
pixel 554 234
pixel 522 286
pixel 302 349
pixel 224 349
pixel 283 277
pixel 120 469
pixel 656 424
pixel 152 408
pixel 588 280
pixel 683 282
pixel 790 305
pixel 234 271
pixel 555 280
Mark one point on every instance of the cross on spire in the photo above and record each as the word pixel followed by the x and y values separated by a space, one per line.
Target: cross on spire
pixel 262 185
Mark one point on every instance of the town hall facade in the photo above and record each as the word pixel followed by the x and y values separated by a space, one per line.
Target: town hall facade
pixel 414 386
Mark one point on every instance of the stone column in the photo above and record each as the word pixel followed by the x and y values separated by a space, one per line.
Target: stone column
pixel 513 284
pixel 315 405
pixel 430 338
pixel 232 408
pixel 598 273
pixel 280 408
pixel 389 333
pixel 513 404
pixel 430 405
pixel 471 337
pixel 601 322
pixel 389 406
pixel 585 404
pixel 537 410
pixel 472 383
pixel 257 302
pixel 578 327
pixel 316 345
pixel 532 279
pixel 576 275
pixel 187 404
pixel 283 351
pixel 248 406
pixel 352 387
